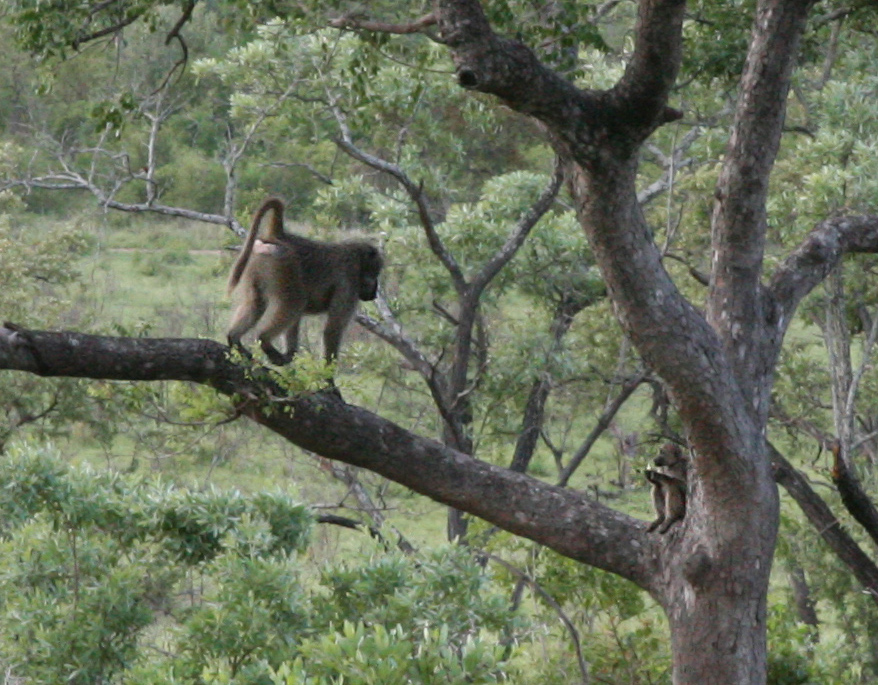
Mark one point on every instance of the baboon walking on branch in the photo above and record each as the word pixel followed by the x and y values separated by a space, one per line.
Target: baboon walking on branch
pixel 280 277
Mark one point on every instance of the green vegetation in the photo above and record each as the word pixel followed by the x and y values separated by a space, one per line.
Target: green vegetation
pixel 116 579
pixel 149 534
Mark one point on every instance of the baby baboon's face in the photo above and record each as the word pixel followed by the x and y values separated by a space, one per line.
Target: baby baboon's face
pixel 669 455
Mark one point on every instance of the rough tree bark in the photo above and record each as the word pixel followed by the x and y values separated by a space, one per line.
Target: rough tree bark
pixel 710 573
pixel 718 368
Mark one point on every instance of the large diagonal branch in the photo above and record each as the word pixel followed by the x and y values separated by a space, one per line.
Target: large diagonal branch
pixel 566 521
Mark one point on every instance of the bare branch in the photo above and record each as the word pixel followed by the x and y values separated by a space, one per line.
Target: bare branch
pixel 353 20
pixel 414 191
pixel 522 230
pixel 855 498
pixel 677 159
pixel 185 16
pixel 837 18
pixel 390 330
pixel 105 189
pixel 818 254
pixel 314 172
pixel 106 31
pixel 61 181
pixel 343 521
pixel 347 475
pixel 156 118
pixel 237 150
pixel 603 422
pixel 552 602
pixel 128 16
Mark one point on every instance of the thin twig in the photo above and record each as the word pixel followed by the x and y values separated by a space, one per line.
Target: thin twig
pixel 552 602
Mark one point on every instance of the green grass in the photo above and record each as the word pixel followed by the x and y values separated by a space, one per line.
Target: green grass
pixel 162 234
pixel 173 293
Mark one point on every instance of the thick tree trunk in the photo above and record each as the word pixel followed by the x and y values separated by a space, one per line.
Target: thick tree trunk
pixel 716 589
pixel 715 565
pixel 719 637
pixel 717 562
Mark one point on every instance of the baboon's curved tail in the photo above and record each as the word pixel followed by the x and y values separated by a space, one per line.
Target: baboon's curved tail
pixel 275 230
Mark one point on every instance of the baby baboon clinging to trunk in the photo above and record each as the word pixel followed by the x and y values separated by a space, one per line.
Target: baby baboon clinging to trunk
pixel 281 277
pixel 668 480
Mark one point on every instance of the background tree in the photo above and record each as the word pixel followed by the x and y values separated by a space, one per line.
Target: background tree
pixel 718 367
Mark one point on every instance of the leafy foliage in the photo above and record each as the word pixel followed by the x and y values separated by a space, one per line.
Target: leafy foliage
pixel 93 565
pixel 39 282
pixel 109 566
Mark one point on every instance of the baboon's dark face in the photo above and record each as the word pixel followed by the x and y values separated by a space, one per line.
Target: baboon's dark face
pixel 370 268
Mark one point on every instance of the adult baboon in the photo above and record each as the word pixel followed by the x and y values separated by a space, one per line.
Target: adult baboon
pixel 669 485
pixel 281 277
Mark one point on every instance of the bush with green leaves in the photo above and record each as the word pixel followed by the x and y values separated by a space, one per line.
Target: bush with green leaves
pixel 89 561
pixel 106 578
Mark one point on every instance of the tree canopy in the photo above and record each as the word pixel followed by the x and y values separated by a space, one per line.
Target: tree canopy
pixel 705 152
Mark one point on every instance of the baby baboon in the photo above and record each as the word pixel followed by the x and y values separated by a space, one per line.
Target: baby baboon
pixel 668 486
pixel 282 277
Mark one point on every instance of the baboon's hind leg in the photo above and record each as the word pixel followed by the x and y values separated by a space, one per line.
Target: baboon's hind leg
pixel 279 318
pixel 246 314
